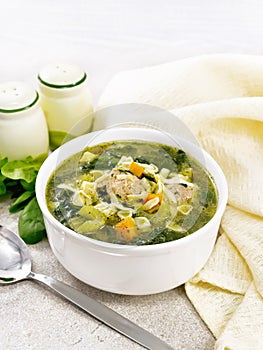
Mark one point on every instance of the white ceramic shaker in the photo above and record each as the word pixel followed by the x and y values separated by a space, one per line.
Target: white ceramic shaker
pixel 66 101
pixel 23 127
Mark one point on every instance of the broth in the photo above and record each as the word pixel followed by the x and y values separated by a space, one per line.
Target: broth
pixel 132 192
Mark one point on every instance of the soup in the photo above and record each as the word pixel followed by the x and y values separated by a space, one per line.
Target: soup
pixel 132 192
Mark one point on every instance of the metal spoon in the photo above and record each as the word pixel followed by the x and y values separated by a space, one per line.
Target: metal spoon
pixel 15 266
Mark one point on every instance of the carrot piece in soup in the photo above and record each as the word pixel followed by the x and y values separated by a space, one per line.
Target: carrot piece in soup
pixel 136 169
pixel 152 202
pixel 154 195
pixel 126 229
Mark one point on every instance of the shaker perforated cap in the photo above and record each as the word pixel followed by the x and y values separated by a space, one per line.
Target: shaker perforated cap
pixel 16 96
pixel 61 75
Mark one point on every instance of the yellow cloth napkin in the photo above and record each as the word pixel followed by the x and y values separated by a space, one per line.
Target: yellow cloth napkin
pixel 220 98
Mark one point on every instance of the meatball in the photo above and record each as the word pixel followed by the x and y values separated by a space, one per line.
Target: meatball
pixel 123 184
pixel 183 194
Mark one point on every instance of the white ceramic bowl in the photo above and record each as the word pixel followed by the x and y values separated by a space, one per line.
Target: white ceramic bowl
pixel 123 269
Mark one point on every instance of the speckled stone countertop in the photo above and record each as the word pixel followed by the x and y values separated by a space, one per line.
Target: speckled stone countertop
pixel 33 317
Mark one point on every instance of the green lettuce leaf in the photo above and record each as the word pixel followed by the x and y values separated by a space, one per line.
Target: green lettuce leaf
pixel 23 169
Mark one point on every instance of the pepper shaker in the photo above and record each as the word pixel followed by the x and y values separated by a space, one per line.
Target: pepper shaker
pixel 66 101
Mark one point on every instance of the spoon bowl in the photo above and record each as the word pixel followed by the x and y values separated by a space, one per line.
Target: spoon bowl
pixel 15 263
pixel 15 266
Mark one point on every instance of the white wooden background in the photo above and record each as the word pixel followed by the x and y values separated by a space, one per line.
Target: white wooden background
pixel 106 36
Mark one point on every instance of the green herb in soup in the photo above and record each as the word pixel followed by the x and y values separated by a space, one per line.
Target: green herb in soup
pixel 133 193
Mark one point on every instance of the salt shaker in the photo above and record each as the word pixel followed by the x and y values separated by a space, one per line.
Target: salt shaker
pixel 23 127
pixel 66 101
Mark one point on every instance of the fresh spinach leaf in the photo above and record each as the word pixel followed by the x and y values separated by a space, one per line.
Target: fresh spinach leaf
pixel 13 187
pixel 2 185
pixel 3 189
pixel 31 224
pixel 17 179
pixel 21 201
pixel 28 186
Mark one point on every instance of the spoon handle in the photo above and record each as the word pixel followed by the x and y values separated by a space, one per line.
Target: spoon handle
pixel 103 313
